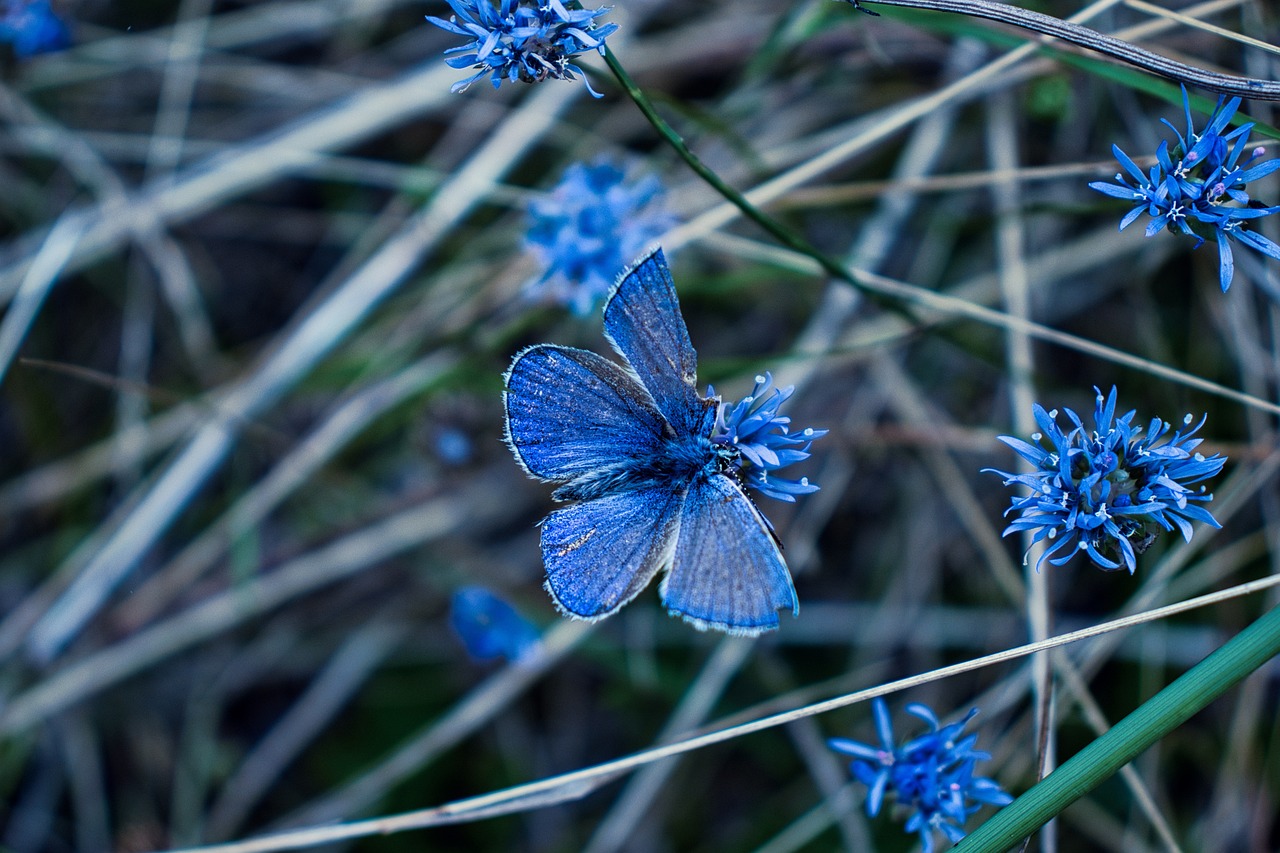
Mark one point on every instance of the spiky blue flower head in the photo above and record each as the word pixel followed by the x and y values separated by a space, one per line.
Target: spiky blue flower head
pixel 491 628
pixel 929 776
pixel 522 40
pixel 753 433
pixel 32 27
pixel 1200 185
pixel 1110 490
pixel 588 230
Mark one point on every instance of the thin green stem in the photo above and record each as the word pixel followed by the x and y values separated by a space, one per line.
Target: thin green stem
pixel 897 296
pixel 785 235
pixel 755 214
pixel 1154 719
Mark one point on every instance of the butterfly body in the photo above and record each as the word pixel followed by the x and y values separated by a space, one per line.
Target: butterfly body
pixel 649 490
pixel 678 459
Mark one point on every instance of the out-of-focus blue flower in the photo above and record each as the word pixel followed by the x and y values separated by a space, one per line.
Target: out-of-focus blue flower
pixel 522 40
pixel 760 440
pixel 1199 184
pixel 1109 490
pixel 589 229
pixel 930 776
pixel 32 27
pixel 490 628
pixel 452 445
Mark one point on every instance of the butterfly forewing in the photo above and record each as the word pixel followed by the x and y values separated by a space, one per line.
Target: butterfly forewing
pixel 572 412
pixel 727 572
pixel 600 553
pixel 642 320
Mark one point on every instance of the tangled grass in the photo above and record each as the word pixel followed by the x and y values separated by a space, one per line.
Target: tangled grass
pixel 263 274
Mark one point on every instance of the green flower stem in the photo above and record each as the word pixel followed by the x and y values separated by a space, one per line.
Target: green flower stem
pixel 755 214
pixel 1154 719
pixel 785 235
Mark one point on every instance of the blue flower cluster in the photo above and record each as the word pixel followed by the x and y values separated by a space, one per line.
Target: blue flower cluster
pixel 1108 491
pixel 761 442
pixel 521 40
pixel 32 27
pixel 930 775
pixel 589 229
pixel 1201 181
pixel 490 628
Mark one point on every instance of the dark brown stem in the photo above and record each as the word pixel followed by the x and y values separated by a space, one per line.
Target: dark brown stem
pixel 1245 87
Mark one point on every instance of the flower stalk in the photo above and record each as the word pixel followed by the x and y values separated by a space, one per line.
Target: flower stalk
pixel 1127 739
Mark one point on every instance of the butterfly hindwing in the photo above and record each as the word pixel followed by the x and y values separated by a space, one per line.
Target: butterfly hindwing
pixel 727 572
pixel 600 553
pixel 571 412
pixel 642 320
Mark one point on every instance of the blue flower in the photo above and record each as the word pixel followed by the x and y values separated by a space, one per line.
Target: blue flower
pixel 589 229
pixel 759 439
pixel 1109 491
pixel 1200 182
pixel 31 27
pixel 522 40
pixel 930 775
pixel 453 446
pixel 490 628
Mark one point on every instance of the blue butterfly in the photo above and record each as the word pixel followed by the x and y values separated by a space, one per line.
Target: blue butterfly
pixel 632 449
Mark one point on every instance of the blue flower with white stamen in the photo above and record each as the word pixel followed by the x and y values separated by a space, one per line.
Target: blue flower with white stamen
pixel 1109 491
pixel 761 440
pixel 931 776
pixel 1200 183
pixel 521 40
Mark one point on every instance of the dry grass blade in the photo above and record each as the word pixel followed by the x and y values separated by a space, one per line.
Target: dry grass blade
pixel 483 806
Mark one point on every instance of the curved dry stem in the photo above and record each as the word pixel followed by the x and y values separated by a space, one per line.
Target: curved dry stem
pixel 1037 22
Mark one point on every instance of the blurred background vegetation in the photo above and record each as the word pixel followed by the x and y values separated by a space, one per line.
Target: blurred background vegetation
pixel 253 435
